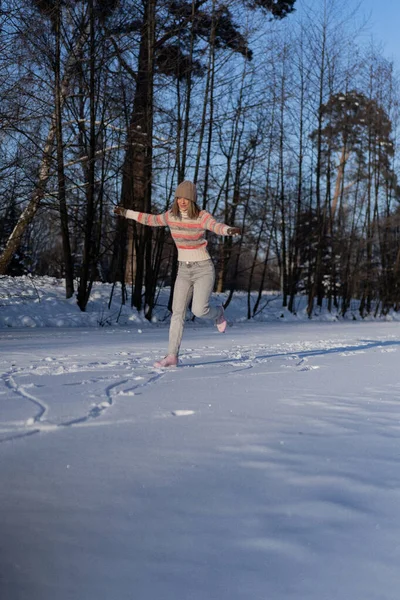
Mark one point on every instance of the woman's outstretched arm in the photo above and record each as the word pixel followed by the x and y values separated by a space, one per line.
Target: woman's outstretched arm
pixel 208 222
pixel 160 220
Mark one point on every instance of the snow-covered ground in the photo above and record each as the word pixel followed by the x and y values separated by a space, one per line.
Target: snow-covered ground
pixel 266 466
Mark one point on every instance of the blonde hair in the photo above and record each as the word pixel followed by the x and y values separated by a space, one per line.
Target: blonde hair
pixel 192 212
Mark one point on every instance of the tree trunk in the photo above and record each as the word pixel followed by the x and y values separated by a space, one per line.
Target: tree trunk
pixel 210 71
pixel 137 168
pixel 282 199
pixel 68 263
pixel 317 275
pixel 211 114
pixel 87 273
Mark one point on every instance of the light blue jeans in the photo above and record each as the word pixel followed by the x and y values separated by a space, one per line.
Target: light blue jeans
pixel 194 280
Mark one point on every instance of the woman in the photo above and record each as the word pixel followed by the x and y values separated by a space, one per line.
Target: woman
pixel 196 273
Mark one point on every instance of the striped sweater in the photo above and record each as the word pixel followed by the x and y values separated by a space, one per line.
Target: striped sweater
pixel 188 234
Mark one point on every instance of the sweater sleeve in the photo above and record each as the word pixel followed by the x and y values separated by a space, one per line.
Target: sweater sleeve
pixel 208 222
pixel 160 220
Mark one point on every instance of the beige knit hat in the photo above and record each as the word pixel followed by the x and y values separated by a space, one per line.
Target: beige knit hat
pixel 186 189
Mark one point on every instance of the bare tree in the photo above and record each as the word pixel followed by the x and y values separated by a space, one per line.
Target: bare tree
pixel 46 164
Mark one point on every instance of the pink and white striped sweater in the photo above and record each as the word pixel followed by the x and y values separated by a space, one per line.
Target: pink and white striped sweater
pixel 188 234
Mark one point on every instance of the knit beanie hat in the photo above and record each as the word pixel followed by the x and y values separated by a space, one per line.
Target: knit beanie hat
pixel 186 189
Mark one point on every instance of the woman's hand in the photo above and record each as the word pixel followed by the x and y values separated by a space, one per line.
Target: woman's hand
pixel 234 231
pixel 120 211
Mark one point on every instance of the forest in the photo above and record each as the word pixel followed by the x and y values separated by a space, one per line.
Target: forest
pixel 284 113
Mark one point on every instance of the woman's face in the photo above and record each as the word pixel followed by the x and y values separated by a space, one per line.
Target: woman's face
pixel 183 203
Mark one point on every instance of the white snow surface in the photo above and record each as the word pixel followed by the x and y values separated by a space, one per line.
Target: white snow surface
pixel 265 466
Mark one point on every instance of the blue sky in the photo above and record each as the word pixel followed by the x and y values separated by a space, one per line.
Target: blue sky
pixel 384 25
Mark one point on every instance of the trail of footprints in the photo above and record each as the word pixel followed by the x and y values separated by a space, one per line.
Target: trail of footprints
pixel 114 386
pixel 40 418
